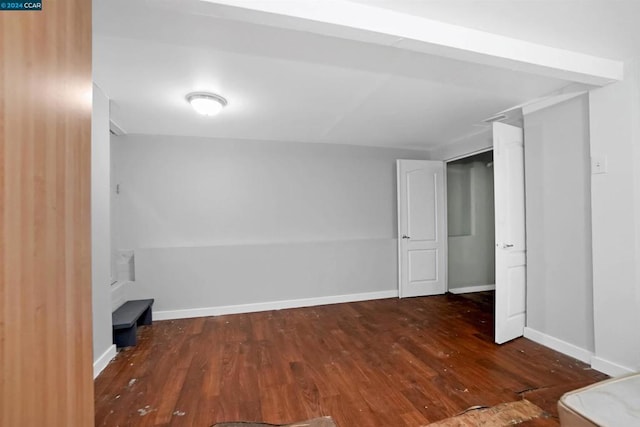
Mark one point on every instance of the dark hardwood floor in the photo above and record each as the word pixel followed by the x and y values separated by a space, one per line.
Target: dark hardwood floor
pixel 389 363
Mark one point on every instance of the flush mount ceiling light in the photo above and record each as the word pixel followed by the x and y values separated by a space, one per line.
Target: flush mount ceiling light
pixel 207 104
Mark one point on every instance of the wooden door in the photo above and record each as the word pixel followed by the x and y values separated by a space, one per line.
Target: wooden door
pixel 45 260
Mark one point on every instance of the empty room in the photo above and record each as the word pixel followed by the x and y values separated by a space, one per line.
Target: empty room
pixel 342 213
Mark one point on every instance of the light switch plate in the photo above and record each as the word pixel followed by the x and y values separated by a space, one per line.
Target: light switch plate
pixel 598 164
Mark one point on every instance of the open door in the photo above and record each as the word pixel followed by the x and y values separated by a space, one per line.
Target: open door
pixel 508 161
pixel 421 228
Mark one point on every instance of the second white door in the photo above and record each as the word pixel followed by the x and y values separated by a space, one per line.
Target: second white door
pixel 508 161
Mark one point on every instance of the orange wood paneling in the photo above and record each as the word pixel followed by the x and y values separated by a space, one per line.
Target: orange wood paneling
pixel 45 260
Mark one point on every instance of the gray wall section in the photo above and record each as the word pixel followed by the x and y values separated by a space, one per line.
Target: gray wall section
pixel 100 224
pixel 615 195
pixel 322 216
pixel 232 275
pixel 472 254
pixel 558 215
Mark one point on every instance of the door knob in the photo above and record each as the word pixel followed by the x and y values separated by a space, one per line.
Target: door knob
pixel 405 237
pixel 506 246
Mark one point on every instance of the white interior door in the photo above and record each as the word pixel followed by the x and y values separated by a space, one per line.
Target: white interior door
pixel 421 228
pixel 508 163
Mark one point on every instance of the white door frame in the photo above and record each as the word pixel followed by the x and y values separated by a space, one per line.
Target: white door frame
pixel 470 154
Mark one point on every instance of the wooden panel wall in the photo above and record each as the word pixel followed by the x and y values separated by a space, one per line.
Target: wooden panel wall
pixel 45 288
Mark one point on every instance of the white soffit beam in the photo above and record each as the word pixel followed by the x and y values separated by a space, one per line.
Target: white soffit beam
pixel 355 21
pixel 549 101
pixel 564 94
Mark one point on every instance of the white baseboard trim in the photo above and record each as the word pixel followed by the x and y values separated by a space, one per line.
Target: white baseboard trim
pixel 273 305
pixel 558 345
pixel 103 361
pixel 469 289
pixel 609 368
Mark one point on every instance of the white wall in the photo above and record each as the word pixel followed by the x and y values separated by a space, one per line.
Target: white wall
pixel 615 196
pixel 558 224
pixel 472 256
pixel 216 222
pixel 103 348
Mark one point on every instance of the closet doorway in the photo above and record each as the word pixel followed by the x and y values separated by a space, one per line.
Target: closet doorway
pixel 487 245
pixel 471 224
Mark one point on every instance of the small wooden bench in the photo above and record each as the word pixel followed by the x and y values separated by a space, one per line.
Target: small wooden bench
pixel 126 319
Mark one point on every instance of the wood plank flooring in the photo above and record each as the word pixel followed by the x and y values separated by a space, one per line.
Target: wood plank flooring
pixel 389 363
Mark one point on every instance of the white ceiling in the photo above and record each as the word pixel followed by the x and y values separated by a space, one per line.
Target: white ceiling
pixel 604 28
pixel 286 85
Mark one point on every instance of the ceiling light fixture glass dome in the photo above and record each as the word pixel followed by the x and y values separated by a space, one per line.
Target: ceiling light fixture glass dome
pixel 207 104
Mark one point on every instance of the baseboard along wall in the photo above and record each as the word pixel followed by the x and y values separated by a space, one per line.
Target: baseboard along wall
pixel 273 305
pixel 474 288
pixel 610 368
pixel 558 345
pixel 103 360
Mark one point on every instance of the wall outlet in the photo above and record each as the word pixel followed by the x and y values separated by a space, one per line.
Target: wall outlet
pixel 598 164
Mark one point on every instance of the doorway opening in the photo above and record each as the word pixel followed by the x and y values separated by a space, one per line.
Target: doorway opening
pixel 471 224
